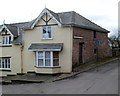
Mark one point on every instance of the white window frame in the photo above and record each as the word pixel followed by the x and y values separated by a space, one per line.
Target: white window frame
pixel 44 38
pixel 51 60
pixel 6 40
pixel 8 63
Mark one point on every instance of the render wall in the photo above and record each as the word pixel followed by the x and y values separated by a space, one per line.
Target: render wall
pixel 60 35
pixel 15 53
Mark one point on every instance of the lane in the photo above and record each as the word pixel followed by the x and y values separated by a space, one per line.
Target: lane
pixel 103 80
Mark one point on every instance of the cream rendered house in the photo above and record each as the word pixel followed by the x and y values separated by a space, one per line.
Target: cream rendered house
pixel 44 45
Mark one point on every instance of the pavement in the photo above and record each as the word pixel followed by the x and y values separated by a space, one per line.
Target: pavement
pixel 41 78
pixel 97 80
pixel 28 78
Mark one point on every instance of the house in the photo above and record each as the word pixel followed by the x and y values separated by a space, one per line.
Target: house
pixel 52 43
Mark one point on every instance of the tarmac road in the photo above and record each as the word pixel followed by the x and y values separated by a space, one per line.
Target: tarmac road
pixel 102 80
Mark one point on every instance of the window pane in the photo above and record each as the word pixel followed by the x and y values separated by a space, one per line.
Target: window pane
pixel 6 40
pixel 2 63
pixel 5 63
pixel 40 62
pixel 47 54
pixel 9 39
pixel 49 28
pixel 47 58
pixel 8 63
pixel 44 29
pixel 47 62
pixel 55 58
pixel 49 34
pixel 55 62
pixel 55 54
pixel 44 35
pixel 49 31
pixel 40 55
pixel 3 40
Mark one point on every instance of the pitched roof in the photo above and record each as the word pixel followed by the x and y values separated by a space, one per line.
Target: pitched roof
pixel 73 19
pixel 64 19
pixel 12 29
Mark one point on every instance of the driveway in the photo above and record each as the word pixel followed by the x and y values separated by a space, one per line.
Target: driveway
pixel 102 80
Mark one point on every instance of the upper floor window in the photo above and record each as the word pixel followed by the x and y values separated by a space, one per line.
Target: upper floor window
pixel 6 40
pixel 46 32
pixel 94 34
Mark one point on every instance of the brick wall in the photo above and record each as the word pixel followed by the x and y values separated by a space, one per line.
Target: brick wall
pixel 88 46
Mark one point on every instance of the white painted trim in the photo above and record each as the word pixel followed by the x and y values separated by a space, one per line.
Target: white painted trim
pixel 41 32
pixel 41 14
pixel 44 58
pixel 54 18
pixel 51 58
pixel 5 69
pixel 45 49
pixel 18 31
pixel 36 58
pixel 6 29
pixel 78 37
pixel 48 67
pixel 59 58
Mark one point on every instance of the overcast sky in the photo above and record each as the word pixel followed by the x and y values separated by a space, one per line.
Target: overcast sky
pixel 102 12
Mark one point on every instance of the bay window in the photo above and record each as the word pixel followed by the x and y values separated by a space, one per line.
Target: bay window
pixel 47 58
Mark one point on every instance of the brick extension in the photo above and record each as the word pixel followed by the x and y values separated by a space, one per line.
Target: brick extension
pixel 89 46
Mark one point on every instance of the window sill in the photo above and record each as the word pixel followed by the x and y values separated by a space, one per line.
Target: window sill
pixel 47 38
pixel 5 69
pixel 6 46
pixel 48 67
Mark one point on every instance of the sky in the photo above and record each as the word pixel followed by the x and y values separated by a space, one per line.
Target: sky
pixel 101 12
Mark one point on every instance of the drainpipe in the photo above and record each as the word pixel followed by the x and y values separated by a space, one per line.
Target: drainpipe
pixel 22 58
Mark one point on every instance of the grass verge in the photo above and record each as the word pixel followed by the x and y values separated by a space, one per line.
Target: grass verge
pixel 84 66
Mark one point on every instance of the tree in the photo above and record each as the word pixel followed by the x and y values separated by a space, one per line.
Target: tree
pixel 115 40
pixel 115 44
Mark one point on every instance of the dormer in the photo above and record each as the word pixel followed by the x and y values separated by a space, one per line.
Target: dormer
pixel 7 34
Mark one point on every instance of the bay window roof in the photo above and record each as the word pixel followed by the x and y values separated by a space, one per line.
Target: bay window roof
pixel 46 47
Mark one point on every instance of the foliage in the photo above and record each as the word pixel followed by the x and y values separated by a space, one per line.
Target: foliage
pixel 115 41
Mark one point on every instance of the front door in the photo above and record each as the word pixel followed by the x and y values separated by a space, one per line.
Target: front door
pixel 81 52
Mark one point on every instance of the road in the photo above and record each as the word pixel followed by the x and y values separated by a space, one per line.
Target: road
pixel 103 80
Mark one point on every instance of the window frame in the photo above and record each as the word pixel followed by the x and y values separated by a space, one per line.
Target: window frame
pixel 47 32
pixel 6 41
pixel 51 59
pixel 3 59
